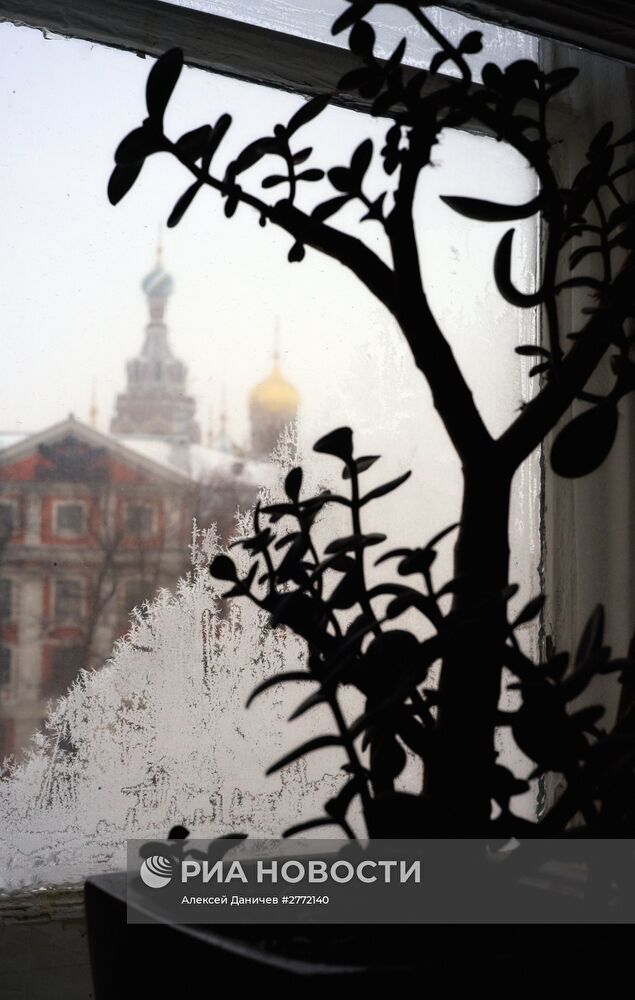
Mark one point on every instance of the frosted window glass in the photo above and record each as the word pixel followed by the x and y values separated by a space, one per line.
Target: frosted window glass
pixel 159 734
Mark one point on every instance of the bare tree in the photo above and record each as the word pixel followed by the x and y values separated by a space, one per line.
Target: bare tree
pixel 118 552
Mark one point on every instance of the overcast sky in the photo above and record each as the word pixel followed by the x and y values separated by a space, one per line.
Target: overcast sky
pixel 71 264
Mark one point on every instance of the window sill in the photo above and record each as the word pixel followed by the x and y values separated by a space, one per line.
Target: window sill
pixel 42 904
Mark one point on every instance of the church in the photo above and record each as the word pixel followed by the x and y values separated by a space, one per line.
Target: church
pixel 92 524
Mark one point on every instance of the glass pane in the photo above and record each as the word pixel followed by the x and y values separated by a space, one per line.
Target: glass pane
pixel 7 520
pixel 70 518
pixel 161 371
pixel 5 600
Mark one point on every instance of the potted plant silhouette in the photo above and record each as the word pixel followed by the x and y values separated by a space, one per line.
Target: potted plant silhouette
pixel 312 593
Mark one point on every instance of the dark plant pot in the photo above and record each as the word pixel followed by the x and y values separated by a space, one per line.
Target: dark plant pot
pixel 136 959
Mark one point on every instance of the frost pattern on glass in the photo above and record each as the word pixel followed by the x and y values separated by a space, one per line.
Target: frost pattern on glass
pixel 160 736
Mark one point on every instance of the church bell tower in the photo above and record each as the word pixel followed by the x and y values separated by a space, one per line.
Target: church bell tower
pixel 155 402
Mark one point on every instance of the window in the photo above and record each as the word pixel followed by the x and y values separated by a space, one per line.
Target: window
pixel 68 600
pixel 7 520
pixel 5 667
pixel 136 592
pixel 70 519
pixel 355 347
pixel 6 606
pixel 338 359
pixel 7 732
pixel 64 664
pixel 139 520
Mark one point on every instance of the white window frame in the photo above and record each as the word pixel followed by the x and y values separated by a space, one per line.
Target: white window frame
pixel 246 51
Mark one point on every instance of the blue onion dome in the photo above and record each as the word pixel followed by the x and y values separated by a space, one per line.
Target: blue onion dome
pixel 158 284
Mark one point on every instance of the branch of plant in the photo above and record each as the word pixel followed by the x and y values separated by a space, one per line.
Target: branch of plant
pixel 444 44
pixel 542 413
pixel 348 250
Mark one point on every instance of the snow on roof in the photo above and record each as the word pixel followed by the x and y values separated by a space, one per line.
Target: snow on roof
pixel 196 461
pixel 23 443
pixel 200 462
pixel 7 438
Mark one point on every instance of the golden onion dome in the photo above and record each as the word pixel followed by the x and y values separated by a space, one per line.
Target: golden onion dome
pixel 275 394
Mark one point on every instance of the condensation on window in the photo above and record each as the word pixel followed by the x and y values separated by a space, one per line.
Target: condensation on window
pixel 153 730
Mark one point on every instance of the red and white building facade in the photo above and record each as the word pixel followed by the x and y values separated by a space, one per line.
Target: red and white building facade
pixel 92 524
pixel 89 530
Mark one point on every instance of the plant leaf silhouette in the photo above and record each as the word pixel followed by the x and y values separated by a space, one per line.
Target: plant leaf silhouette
pixel 381 491
pixel 307 113
pixel 183 204
pixel 194 144
pixel 502 274
pixel 318 743
pixel 138 144
pixel 584 443
pixel 162 80
pixel 489 211
pixel 339 443
pixel 121 180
